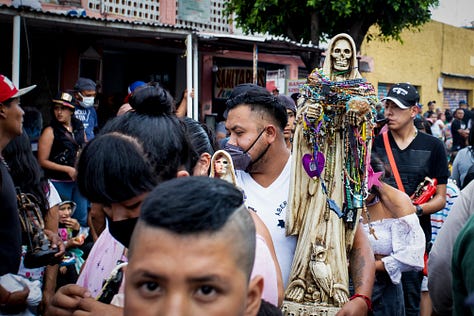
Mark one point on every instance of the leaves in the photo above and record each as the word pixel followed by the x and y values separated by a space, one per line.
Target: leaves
pixel 293 18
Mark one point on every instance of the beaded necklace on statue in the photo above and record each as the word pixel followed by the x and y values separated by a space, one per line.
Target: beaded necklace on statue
pixel 319 130
pixel 345 111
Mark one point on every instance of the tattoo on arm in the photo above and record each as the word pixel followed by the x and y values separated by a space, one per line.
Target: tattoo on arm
pixel 357 265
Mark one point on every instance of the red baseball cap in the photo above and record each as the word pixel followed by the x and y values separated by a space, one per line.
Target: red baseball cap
pixel 9 91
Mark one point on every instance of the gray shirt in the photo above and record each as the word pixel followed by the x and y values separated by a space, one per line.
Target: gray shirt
pixel 439 263
pixel 463 161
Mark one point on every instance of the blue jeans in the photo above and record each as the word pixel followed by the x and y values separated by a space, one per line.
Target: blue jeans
pixel 68 190
pixel 387 298
pixel 411 281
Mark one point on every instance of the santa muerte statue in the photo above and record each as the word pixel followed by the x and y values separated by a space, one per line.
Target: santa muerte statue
pixel 331 157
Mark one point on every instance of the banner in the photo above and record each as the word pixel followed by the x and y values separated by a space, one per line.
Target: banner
pixel 228 77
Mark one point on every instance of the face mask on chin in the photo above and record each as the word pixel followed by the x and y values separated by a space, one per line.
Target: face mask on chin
pixel 122 230
pixel 241 157
pixel 87 102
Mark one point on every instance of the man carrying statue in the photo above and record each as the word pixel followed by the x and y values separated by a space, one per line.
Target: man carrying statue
pixel 315 227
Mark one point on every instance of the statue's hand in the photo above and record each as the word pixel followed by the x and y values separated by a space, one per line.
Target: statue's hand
pixel 313 112
pixel 357 110
pixel 354 118
pixel 295 291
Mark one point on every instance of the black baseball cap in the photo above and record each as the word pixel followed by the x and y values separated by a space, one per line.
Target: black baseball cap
pixel 404 95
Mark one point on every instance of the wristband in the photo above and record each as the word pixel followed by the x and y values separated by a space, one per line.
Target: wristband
pixel 419 210
pixel 367 300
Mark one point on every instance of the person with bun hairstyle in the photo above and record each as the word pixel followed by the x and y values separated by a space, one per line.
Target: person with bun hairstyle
pixel 132 154
pixel 152 110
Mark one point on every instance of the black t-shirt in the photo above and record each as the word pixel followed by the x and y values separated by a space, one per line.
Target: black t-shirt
pixel 467 116
pixel 424 157
pixel 10 230
pixel 458 141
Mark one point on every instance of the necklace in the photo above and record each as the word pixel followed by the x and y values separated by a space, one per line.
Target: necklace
pixel 369 222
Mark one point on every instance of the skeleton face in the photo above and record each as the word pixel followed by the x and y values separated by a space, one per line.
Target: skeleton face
pixel 341 55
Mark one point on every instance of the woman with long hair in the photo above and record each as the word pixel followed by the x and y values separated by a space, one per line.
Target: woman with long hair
pixel 397 240
pixel 58 148
pixel 28 177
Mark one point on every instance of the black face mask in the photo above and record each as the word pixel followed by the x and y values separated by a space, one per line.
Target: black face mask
pixel 122 230
pixel 240 157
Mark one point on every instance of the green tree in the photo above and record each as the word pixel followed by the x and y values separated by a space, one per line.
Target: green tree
pixel 314 20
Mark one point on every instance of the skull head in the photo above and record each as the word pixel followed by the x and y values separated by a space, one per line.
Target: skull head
pixel 341 55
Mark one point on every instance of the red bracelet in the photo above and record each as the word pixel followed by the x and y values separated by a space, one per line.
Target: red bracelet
pixel 367 300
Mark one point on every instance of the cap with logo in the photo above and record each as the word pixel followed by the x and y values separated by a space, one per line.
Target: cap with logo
pixel 9 91
pixel 65 99
pixel 404 95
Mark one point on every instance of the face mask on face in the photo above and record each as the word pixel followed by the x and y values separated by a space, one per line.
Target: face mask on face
pixel 87 102
pixel 240 157
pixel 122 230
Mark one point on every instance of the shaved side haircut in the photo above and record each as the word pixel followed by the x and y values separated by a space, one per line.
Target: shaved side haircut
pixel 201 206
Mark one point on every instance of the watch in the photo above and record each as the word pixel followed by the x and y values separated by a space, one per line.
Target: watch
pixel 419 210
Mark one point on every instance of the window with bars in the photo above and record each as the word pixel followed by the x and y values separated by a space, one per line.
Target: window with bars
pixel 212 18
pixel 147 10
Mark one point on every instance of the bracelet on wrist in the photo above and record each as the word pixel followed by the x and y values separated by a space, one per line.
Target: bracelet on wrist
pixel 419 210
pixel 367 300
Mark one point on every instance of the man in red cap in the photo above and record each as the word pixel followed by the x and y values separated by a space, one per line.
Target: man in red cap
pixel 11 122
pixel 11 114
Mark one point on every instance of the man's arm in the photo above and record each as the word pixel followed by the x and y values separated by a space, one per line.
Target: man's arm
pixel 362 270
pixel 437 202
pixel 50 275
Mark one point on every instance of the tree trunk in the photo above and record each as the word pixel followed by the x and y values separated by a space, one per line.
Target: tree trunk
pixel 312 59
pixel 358 31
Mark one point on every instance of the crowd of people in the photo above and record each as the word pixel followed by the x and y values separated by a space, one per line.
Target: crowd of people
pixel 201 222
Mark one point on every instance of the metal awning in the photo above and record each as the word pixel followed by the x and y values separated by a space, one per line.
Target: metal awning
pixel 97 25
pixel 266 43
